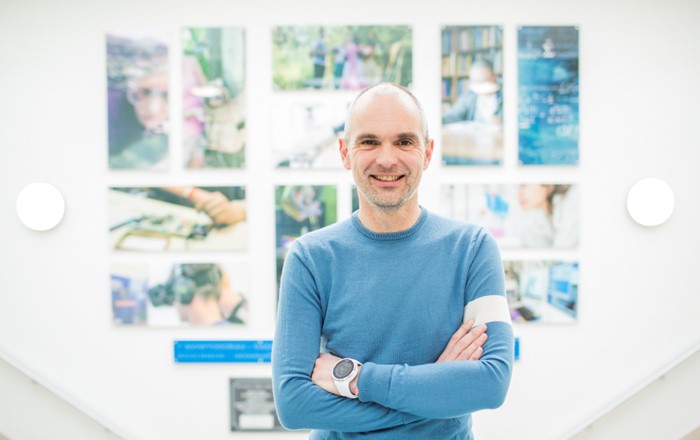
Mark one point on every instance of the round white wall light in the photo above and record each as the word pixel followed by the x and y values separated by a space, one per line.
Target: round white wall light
pixel 40 206
pixel 650 202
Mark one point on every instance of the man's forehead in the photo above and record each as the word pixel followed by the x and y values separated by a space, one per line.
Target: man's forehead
pixel 385 111
pixel 385 108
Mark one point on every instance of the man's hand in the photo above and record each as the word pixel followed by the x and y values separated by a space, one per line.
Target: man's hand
pixel 322 375
pixel 465 344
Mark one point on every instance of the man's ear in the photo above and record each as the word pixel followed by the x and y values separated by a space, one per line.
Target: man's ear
pixel 428 153
pixel 344 152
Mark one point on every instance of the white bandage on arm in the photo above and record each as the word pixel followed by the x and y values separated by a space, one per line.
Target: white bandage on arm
pixel 487 309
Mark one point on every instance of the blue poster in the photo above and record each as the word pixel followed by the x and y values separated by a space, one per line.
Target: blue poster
pixel 548 95
pixel 222 351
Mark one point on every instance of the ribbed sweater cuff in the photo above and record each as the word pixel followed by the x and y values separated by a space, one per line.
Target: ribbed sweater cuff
pixel 374 382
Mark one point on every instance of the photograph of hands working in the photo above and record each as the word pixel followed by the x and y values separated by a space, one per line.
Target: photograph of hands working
pixel 177 218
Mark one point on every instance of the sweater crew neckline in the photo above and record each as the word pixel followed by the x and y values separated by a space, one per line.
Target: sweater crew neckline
pixel 389 235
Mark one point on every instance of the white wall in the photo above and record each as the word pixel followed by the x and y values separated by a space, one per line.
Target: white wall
pixel 638 295
pixel 666 409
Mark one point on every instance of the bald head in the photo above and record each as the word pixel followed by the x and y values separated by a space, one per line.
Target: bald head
pixel 383 89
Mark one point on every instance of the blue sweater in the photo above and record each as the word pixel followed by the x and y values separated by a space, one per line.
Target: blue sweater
pixel 392 301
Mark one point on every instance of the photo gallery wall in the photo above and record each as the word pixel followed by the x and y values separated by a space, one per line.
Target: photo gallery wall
pixel 171 247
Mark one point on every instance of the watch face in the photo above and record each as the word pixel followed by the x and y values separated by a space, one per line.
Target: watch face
pixel 343 369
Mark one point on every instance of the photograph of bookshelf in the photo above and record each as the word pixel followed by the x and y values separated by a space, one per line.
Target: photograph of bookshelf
pixel 461 45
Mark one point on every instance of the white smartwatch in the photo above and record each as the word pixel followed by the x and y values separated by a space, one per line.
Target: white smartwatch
pixel 344 371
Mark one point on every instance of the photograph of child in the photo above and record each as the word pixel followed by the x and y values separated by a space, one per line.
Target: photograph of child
pixel 137 100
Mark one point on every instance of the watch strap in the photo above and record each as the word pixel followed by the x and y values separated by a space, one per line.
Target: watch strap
pixel 343 387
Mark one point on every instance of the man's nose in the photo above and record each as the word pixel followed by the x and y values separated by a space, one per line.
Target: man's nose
pixel 386 156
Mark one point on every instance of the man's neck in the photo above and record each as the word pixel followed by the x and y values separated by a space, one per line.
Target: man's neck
pixel 381 221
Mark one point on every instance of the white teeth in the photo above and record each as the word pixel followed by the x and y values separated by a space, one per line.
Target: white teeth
pixel 387 178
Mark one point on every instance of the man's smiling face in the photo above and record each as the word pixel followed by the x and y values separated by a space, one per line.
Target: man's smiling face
pixel 386 149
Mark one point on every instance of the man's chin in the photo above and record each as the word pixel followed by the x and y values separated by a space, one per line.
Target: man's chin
pixel 388 205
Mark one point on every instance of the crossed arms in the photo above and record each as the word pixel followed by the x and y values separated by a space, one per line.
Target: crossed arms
pixel 472 372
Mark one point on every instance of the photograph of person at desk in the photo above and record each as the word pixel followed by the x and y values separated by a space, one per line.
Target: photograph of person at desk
pixel 542 291
pixel 182 294
pixel 472 126
pixel 177 218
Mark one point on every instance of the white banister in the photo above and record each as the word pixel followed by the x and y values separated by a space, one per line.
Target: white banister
pixel 66 397
pixel 658 375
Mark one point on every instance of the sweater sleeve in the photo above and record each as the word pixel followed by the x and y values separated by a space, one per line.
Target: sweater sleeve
pixel 300 403
pixel 451 389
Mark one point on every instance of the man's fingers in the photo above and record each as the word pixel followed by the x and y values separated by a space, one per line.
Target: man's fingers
pixel 464 343
pixel 475 349
pixel 468 339
pixel 448 354
pixel 477 354
pixel 460 333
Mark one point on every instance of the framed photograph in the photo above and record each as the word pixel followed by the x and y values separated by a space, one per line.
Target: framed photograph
pixel 129 285
pixel 341 57
pixel 548 95
pixel 178 218
pixel 137 99
pixel 542 291
pixel 307 128
pixel 252 405
pixel 528 215
pixel 472 97
pixel 179 294
pixel 213 102
pixel 300 209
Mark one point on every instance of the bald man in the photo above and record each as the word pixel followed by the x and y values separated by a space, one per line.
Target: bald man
pixel 392 324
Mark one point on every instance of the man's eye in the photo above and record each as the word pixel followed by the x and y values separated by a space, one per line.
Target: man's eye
pixel 368 142
pixel 405 142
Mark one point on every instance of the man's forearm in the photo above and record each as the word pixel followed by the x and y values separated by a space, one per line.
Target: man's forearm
pixel 444 390
pixel 303 405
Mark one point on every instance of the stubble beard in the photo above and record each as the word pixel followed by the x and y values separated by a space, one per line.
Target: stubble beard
pixel 386 203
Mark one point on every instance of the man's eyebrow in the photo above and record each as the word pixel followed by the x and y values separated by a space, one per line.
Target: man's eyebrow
pixel 406 135
pixel 409 135
pixel 363 136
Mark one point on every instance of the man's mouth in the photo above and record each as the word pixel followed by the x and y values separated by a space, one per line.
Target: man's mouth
pixel 387 178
